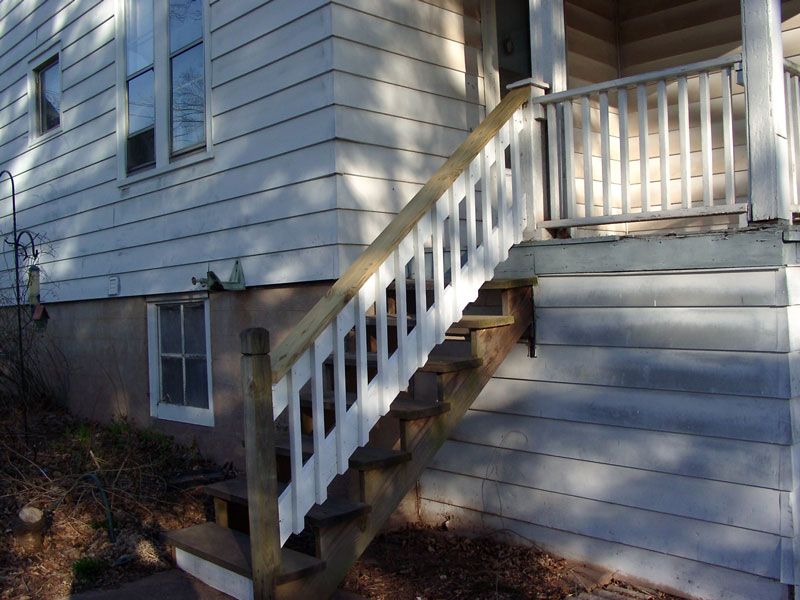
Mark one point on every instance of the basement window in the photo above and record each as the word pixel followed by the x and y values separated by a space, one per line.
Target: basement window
pixel 179 351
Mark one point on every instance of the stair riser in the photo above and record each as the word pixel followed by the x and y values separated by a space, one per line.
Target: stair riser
pixel 214 576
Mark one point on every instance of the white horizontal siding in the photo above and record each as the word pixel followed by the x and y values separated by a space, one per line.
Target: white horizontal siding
pixel 749 507
pixel 746 418
pixel 654 420
pixel 267 193
pixel 731 547
pixel 687 577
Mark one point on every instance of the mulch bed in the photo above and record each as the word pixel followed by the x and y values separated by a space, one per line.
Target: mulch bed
pixel 134 466
pixel 425 563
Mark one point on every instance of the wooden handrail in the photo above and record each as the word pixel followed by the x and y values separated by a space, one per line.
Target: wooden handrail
pixel 671 73
pixel 791 67
pixel 346 287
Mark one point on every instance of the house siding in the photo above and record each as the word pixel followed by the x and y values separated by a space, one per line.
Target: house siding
pixel 326 118
pixel 652 432
pixel 267 196
pixel 408 89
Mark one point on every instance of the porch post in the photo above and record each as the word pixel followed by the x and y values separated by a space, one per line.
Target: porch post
pixel 766 110
pixel 548 43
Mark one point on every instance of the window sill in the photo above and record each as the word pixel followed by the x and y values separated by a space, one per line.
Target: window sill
pixel 184 414
pixel 38 140
pixel 178 163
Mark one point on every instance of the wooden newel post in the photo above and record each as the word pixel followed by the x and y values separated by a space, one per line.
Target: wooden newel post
pixel 262 481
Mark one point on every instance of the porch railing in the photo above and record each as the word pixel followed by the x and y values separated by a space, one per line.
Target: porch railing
pixel 652 146
pixel 467 216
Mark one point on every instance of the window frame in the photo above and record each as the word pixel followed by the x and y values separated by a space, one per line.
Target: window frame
pixel 165 160
pixel 176 412
pixel 36 65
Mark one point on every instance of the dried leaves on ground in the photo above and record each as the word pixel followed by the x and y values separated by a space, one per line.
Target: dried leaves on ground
pixel 425 563
pixel 143 474
pixel 64 470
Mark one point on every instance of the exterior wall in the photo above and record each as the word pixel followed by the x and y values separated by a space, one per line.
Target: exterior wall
pixel 653 431
pixel 655 36
pixel 326 118
pixel 592 50
pixel 105 346
pixel 408 89
pixel 267 195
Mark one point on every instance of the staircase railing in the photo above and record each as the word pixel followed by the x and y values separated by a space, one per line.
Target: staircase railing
pixel 464 220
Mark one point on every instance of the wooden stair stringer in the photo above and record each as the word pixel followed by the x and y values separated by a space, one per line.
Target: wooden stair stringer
pixel 389 487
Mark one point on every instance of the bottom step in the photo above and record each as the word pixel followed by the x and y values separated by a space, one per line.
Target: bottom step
pixel 220 558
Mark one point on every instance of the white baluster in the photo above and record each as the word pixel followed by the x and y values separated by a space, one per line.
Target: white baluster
pixel 504 236
pixel 474 269
pixel 605 153
pixel 361 368
pixel 401 312
pixel 569 157
pixel 519 197
pixel 318 418
pixel 339 386
pixel 440 313
pixel 381 332
pixel 706 142
pixel 554 160
pixel 663 142
pixel 455 251
pixel 624 153
pixel 644 153
pixel 486 213
pixel 683 125
pixel 727 135
pixel 588 177
pixel 420 288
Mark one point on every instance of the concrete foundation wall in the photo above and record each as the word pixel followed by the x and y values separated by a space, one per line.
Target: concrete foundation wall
pixel 104 343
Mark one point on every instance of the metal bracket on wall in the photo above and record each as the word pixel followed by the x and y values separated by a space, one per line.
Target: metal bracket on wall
pixel 215 284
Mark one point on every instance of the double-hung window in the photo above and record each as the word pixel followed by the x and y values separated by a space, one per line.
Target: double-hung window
pixel 165 105
pixel 45 94
pixel 179 351
pixel 48 96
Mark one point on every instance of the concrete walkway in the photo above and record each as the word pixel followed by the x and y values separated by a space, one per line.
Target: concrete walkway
pixel 172 584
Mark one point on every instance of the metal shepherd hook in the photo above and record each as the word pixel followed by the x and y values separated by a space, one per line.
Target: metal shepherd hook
pixel 17 245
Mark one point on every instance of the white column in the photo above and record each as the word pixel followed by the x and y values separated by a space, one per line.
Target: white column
pixel 766 110
pixel 548 43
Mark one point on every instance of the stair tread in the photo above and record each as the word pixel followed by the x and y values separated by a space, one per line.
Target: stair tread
pixel 366 458
pixel 494 284
pixel 449 364
pixel 483 321
pixel 466 321
pixel 363 458
pixel 508 284
pixel 407 408
pixel 334 510
pixel 231 550
pixel 403 407
pixel 435 364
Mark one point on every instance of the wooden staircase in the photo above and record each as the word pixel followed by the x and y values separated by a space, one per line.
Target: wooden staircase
pixel 343 416
pixel 408 437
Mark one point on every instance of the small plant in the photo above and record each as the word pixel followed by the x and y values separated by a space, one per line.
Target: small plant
pixel 88 569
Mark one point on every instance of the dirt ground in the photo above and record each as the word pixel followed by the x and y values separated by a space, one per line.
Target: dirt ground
pixel 152 485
